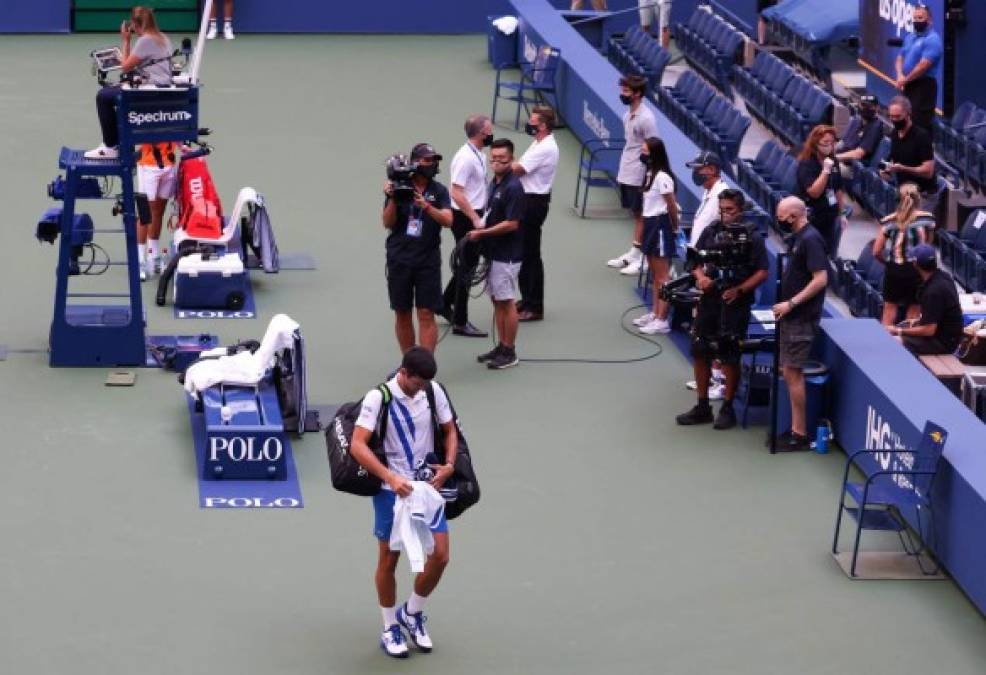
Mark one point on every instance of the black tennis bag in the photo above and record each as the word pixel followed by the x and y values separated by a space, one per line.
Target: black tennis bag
pixel 463 475
pixel 348 475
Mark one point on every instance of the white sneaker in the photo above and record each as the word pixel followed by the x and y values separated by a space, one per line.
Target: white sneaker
pixel 717 392
pixel 103 152
pixel 643 320
pixel 143 272
pixel 392 642
pixel 656 326
pixel 228 31
pixel 626 258
pixel 211 35
pixel 635 267
pixel 414 624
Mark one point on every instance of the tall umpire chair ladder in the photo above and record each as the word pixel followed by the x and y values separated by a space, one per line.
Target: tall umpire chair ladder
pixel 113 334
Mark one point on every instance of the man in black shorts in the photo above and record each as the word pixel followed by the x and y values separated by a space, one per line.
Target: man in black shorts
pixel 723 312
pixel 939 330
pixel 799 310
pixel 414 250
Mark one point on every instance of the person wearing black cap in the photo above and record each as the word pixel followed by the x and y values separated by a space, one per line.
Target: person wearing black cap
pixel 861 145
pixel 414 250
pixel 706 173
pixel 939 328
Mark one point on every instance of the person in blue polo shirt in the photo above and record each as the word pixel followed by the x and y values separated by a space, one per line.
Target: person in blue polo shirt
pixel 503 244
pixel 414 250
pixel 916 64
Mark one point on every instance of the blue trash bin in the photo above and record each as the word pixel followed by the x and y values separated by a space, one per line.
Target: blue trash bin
pixel 816 383
pixel 501 49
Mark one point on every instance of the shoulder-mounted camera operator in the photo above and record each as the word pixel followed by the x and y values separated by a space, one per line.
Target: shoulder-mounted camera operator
pixel 416 208
pixel 728 263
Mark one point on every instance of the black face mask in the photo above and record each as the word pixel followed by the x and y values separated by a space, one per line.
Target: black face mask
pixel 899 125
pixel 626 100
pixel 645 159
pixel 868 115
pixel 785 226
pixel 427 171
pixel 531 129
pixel 920 26
pixel 698 178
pixel 487 140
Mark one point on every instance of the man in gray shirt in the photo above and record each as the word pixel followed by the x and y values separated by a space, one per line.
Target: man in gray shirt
pixel 150 58
pixel 638 126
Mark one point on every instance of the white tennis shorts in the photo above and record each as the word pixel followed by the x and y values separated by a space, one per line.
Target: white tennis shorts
pixel 157 183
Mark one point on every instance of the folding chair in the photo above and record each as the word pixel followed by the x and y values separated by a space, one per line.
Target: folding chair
pixel 537 80
pixel 591 174
pixel 899 485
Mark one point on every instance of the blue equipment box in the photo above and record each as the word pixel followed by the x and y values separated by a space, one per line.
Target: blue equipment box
pixel 49 227
pixel 244 433
pixel 219 282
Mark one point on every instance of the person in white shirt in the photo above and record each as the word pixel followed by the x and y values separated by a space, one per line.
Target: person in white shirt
pixel 468 172
pixel 707 173
pixel 660 227
pixel 638 126
pixel 536 168
pixel 406 444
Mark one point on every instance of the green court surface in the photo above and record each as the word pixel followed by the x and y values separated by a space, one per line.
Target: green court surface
pixel 608 540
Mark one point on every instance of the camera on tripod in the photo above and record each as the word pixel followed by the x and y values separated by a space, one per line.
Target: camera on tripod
pixel 399 172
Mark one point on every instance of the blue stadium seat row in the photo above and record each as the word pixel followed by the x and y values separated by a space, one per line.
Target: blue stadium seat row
pixel 786 102
pixel 639 53
pixel 708 119
pixel 711 45
pixel 769 177
pixel 965 253
pixel 860 282
pixel 810 28
pixel 961 141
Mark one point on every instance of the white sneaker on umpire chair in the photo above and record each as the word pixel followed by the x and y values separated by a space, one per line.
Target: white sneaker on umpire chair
pixel 414 624
pixel 103 151
pixel 393 643
pixel 625 259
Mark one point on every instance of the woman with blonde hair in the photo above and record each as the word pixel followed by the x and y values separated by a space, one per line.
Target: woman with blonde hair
pixel 899 233
pixel 150 58
pixel 820 185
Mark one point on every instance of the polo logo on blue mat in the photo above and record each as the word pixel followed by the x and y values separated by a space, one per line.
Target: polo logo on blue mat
pixel 898 12
pixel 250 503
pixel 240 449
pixel 214 314
pixel 595 123
pixel 141 118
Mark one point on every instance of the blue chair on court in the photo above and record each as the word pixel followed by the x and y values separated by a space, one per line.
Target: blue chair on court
pixel 536 83
pixel 593 171
pixel 897 484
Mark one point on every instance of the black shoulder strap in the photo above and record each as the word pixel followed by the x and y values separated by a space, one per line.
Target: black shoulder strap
pixel 383 415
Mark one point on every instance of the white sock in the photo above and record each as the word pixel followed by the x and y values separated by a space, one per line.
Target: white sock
pixel 141 253
pixel 389 616
pixel 415 603
pixel 153 250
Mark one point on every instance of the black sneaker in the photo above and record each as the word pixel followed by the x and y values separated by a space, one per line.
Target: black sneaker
pixel 505 359
pixel 700 414
pixel 726 419
pixel 792 442
pixel 490 355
